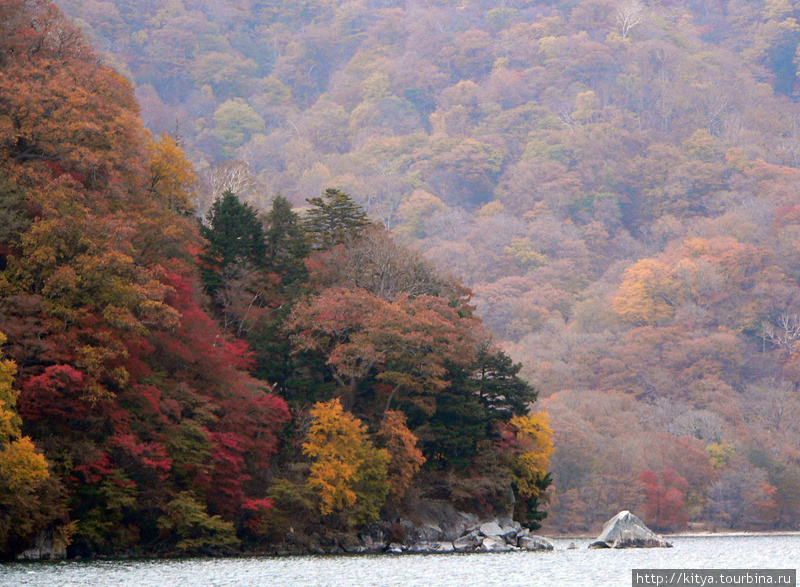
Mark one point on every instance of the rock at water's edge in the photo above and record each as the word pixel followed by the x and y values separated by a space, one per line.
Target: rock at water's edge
pixel 443 517
pixel 491 529
pixel 535 543
pixel 466 543
pixel 45 547
pixel 494 545
pixel 350 544
pixel 627 531
pixel 444 547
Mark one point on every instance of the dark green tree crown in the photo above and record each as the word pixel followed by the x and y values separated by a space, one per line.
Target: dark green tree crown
pixel 234 233
pixel 286 241
pixel 334 218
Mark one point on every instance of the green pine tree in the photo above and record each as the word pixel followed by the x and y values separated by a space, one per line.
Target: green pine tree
pixel 501 390
pixel 486 392
pixel 286 244
pixel 334 218
pixel 459 425
pixel 234 234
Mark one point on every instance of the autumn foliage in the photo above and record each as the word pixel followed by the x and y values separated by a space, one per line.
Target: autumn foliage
pixel 139 410
pixel 405 458
pixel 664 503
pixel 132 392
pixel 616 186
pixel 348 472
pixel 23 472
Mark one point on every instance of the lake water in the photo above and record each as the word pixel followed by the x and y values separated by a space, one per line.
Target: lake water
pixel 530 569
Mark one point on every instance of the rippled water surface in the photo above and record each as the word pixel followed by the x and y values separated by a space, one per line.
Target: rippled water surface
pixel 559 567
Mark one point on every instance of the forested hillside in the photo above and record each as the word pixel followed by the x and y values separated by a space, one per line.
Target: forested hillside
pixel 172 386
pixel 127 416
pixel 616 181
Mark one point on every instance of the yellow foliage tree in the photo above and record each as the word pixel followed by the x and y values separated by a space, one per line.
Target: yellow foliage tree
pixel 522 252
pixel 417 211
pixel 9 420
pixel 172 178
pixel 22 469
pixel 720 454
pixel 20 464
pixel 535 437
pixel 348 472
pixel 647 293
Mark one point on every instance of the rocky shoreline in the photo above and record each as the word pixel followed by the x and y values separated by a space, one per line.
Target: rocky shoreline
pixel 624 530
pixel 444 530
pixel 489 536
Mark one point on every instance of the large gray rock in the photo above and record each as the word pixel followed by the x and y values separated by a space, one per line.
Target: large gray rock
pixel 422 547
pixel 490 544
pixel 375 536
pixel 370 545
pixel 491 529
pixel 425 533
pixel 467 543
pixel 442 518
pixel 535 543
pixel 444 547
pixel 508 524
pixel 350 544
pixel 510 532
pixel 627 531
pixel 45 547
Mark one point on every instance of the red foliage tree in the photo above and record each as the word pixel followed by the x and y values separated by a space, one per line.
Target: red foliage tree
pixel 664 499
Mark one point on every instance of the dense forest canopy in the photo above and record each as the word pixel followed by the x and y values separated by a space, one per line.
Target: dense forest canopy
pixel 614 180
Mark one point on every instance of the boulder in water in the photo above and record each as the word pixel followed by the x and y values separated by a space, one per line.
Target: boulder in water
pixel 468 542
pixel 627 531
pixel 45 547
pixel 494 544
pixel 535 543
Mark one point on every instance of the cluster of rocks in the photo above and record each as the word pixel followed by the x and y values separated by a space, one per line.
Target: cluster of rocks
pixel 491 536
pixel 624 530
pixel 444 530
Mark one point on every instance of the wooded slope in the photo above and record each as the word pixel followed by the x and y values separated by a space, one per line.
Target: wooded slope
pixel 172 387
pixel 616 181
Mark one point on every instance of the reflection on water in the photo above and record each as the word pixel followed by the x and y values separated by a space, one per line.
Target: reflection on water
pixel 530 569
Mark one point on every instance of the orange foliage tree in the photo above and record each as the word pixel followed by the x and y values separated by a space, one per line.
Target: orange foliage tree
pixel 404 343
pixel 405 459
pixel 23 472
